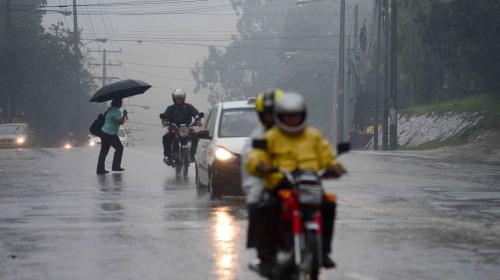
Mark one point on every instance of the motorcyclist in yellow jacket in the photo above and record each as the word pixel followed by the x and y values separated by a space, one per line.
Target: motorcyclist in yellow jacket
pixel 292 145
pixel 252 185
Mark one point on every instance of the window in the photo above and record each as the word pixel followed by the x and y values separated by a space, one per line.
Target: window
pixel 211 125
pixel 10 129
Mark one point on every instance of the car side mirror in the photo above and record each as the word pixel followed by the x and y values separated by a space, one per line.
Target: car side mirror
pixel 204 134
pixel 343 148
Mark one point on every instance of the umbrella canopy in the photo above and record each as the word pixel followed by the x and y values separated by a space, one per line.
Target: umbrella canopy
pixel 120 89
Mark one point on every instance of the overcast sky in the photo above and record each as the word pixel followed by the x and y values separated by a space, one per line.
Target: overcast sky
pixel 160 40
pixel 171 43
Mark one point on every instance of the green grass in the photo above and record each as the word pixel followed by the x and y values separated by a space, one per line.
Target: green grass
pixel 468 104
pixel 455 140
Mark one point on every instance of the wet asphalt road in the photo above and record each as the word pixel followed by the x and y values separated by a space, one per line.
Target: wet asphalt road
pixel 401 216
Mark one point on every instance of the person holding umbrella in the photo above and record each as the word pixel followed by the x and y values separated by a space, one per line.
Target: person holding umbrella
pixel 109 136
pixel 113 118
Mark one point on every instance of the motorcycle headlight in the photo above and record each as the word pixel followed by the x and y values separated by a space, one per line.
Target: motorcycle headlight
pixel 67 146
pixel 223 154
pixel 92 143
pixel 20 140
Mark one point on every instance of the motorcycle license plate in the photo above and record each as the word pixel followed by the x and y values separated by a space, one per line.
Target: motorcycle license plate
pixel 312 226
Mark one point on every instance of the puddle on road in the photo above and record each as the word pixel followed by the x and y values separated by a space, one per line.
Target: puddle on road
pixel 223 234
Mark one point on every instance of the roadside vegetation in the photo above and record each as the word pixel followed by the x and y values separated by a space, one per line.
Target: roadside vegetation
pixel 481 103
pixel 38 66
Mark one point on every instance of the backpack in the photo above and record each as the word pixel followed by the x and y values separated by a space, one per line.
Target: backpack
pixel 97 124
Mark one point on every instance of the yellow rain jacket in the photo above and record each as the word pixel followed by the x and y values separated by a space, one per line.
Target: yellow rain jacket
pixel 307 150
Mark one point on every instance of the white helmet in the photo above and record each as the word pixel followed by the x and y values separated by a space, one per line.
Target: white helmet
pixel 290 103
pixel 178 93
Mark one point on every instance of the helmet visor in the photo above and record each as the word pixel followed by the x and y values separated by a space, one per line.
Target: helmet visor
pixel 292 120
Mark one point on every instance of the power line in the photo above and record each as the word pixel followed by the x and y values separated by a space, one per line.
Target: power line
pixel 229 67
pixel 221 46
pixel 112 46
pixel 157 75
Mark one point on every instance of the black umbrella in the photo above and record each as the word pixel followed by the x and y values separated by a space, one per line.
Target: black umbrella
pixel 120 89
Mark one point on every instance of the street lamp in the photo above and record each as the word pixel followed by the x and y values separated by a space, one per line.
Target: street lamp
pixel 62 12
pixel 100 40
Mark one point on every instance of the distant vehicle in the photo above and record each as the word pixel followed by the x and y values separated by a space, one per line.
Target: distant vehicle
pixel 218 156
pixel 14 135
pixel 123 134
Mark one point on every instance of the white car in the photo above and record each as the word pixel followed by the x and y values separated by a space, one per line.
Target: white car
pixel 14 135
pixel 218 156
pixel 123 134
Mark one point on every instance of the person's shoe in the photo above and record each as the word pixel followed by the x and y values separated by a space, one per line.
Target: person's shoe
pixel 167 160
pixel 328 262
pixel 102 172
pixel 264 269
pixel 118 169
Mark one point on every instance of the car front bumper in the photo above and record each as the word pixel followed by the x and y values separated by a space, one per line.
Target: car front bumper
pixel 11 143
pixel 226 177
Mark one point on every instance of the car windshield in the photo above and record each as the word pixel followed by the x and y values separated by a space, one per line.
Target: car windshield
pixel 11 129
pixel 238 122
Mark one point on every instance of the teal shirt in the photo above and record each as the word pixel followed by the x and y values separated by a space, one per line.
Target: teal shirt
pixel 111 124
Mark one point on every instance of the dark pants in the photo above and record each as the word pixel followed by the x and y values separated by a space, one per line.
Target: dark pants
pixel 167 144
pixel 108 141
pixel 253 225
pixel 267 231
pixel 268 215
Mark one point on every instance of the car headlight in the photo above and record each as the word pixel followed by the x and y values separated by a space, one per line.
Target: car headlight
pixel 92 143
pixel 223 154
pixel 20 140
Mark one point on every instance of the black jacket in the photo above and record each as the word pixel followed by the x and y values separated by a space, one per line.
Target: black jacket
pixel 181 114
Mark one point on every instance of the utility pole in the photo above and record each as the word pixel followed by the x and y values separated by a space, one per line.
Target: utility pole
pixel 355 82
pixel 385 117
pixel 377 76
pixel 350 86
pixel 393 119
pixel 104 65
pixel 76 49
pixel 340 97
pixel 9 102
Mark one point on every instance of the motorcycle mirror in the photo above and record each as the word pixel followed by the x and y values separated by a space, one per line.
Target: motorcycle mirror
pixel 162 116
pixel 204 134
pixel 201 114
pixel 343 148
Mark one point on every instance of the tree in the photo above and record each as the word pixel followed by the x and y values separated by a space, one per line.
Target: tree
pixel 43 73
pixel 257 60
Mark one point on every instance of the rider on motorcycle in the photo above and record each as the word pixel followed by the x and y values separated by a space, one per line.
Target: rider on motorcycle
pixel 179 113
pixel 252 185
pixel 291 145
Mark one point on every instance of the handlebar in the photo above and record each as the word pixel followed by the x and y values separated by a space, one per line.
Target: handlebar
pixel 325 173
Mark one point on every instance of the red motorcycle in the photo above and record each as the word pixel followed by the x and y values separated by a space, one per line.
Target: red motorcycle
pixel 301 254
